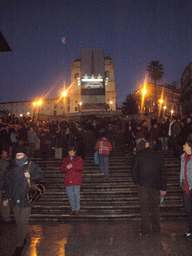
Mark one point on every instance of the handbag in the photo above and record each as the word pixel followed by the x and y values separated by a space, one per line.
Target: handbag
pixel 35 192
pixel 96 157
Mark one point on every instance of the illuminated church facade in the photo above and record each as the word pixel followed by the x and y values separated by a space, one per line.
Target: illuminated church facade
pixel 92 82
pixel 92 90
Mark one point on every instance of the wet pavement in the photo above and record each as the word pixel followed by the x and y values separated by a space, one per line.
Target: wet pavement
pixel 97 239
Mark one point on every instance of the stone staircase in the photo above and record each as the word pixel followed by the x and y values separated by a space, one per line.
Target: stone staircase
pixel 101 199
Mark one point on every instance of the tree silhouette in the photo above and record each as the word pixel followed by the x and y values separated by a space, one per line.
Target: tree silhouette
pixel 129 106
pixel 155 71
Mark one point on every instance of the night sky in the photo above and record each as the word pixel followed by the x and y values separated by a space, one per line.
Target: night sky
pixel 132 32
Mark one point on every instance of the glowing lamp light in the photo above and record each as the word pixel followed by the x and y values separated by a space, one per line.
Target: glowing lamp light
pixel 161 101
pixel 64 94
pixel 34 104
pixel 80 103
pixel 39 102
pixel 144 91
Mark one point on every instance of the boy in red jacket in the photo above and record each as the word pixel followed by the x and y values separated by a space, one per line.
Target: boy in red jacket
pixel 72 166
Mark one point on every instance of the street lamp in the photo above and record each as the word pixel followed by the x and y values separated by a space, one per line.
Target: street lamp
pixel 80 104
pixel 143 98
pixel 34 105
pixel 111 102
pixel 39 102
pixel 164 109
pixel 64 95
pixel 161 102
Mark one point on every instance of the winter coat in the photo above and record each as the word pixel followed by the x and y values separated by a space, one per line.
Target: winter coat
pixel 163 130
pixel 16 185
pixel 103 146
pixel 73 176
pixel 149 170
pixel 189 171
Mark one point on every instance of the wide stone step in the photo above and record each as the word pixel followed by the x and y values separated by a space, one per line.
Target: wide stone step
pixel 103 200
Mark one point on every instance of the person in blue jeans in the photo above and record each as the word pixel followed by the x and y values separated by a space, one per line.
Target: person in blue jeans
pixel 72 166
pixel 104 147
pixel 186 181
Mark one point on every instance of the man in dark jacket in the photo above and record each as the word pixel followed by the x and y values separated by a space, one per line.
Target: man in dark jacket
pixel 14 192
pixel 174 131
pixel 149 174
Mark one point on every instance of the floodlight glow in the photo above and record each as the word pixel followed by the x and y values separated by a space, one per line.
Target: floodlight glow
pixel 64 94
pixel 39 102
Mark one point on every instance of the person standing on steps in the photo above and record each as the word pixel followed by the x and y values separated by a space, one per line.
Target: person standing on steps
pixel 186 181
pixel 72 166
pixel 14 192
pixel 174 131
pixel 149 174
pixel 104 147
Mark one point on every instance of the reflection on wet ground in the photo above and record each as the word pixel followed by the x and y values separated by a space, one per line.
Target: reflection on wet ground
pixel 97 239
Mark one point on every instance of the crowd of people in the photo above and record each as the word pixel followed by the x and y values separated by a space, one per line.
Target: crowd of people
pixel 52 138
pixel 19 139
pixel 162 134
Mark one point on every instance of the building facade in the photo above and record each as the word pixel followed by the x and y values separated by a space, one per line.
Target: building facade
pixel 92 82
pixel 167 98
pixel 186 90
pixel 92 89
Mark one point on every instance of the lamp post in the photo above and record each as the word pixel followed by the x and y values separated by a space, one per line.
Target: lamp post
pixel 164 109
pixel 161 102
pixel 64 95
pixel 39 104
pixel 80 104
pixel 34 105
pixel 143 98
pixel 111 102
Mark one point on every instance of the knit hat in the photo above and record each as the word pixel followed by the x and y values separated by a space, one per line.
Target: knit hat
pixel 21 149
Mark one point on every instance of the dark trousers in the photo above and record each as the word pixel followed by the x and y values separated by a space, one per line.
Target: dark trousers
pixel 4 210
pixel 187 199
pixel 149 204
pixel 21 216
pixel 175 145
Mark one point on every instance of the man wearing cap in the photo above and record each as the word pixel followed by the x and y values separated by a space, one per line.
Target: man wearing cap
pixel 14 192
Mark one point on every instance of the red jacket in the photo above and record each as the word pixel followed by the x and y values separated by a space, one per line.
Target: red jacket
pixel 73 176
pixel 103 146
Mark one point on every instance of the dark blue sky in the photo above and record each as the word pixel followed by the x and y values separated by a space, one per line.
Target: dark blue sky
pixel 132 32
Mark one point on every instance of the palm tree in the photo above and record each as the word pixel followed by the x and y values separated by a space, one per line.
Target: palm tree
pixel 155 70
